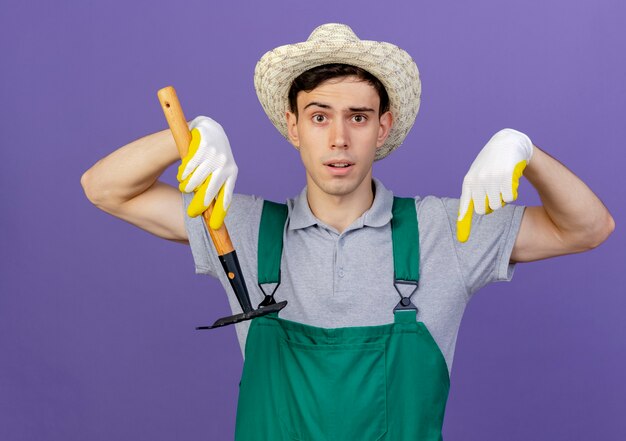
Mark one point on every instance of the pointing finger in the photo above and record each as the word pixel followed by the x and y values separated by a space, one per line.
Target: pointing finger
pixel 464 225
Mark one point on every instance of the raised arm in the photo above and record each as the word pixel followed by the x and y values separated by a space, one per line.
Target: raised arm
pixel 572 218
pixel 125 184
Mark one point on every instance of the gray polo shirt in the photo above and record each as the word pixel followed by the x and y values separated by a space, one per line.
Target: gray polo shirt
pixel 335 280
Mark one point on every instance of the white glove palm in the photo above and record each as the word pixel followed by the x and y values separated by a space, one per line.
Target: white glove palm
pixel 493 177
pixel 209 167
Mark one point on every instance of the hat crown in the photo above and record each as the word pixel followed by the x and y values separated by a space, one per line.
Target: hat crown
pixel 333 31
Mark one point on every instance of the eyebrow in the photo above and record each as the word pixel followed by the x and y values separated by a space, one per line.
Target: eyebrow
pixel 326 106
pixel 361 109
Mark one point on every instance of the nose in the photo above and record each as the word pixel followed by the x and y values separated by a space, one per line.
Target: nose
pixel 338 135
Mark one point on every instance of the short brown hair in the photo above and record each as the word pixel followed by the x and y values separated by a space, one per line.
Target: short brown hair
pixel 310 79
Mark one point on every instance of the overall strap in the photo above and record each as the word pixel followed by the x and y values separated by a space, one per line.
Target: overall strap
pixel 270 247
pixel 406 252
pixel 406 243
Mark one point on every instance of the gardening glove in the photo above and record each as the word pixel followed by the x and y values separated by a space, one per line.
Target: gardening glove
pixel 209 167
pixel 493 178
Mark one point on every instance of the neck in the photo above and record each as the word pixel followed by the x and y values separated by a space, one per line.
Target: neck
pixel 340 211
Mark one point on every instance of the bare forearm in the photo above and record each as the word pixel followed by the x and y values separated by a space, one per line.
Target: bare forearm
pixel 130 170
pixel 578 214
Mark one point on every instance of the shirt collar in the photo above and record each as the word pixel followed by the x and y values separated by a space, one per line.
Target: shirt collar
pixel 301 216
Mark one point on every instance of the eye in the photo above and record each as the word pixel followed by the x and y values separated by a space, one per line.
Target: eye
pixel 319 118
pixel 359 118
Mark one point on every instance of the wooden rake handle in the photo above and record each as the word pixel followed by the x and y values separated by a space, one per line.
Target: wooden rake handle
pixel 180 130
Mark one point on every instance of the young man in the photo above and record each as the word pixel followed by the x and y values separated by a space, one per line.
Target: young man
pixel 355 354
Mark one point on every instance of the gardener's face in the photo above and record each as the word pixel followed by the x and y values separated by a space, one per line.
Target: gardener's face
pixel 338 131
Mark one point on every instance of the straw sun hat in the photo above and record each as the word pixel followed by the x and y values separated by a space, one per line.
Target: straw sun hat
pixel 337 43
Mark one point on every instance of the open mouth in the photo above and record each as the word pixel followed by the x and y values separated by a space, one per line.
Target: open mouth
pixel 339 165
pixel 339 168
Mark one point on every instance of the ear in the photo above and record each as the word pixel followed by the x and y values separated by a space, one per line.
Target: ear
pixel 292 128
pixel 385 123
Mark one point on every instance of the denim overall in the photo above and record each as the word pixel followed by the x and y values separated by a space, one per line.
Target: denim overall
pixel 300 382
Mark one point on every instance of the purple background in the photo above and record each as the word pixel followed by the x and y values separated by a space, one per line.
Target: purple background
pixel 97 318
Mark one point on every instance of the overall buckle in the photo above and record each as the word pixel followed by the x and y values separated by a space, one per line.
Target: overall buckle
pixel 405 303
pixel 269 298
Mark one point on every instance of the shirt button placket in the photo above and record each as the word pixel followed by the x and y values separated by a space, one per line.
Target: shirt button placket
pixel 340 270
